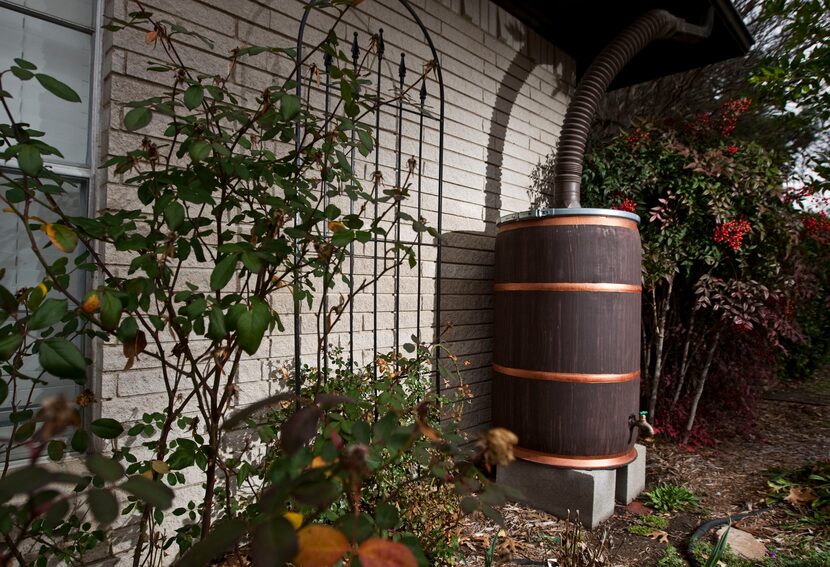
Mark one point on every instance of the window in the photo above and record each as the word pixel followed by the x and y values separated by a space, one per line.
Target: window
pixel 59 36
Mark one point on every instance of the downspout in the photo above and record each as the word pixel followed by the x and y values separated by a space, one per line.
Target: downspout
pixel 651 26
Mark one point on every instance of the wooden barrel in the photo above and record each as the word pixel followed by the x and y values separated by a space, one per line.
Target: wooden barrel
pixel 566 361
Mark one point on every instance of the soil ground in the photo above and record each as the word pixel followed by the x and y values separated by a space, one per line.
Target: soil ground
pixel 793 429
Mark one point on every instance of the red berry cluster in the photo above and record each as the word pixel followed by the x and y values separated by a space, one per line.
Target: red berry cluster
pixel 730 112
pixel 637 136
pixel 627 205
pixel 792 194
pixel 732 233
pixel 732 150
pixel 817 226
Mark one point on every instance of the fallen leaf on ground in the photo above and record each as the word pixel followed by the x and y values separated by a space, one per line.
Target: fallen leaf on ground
pixel 799 496
pixel 658 535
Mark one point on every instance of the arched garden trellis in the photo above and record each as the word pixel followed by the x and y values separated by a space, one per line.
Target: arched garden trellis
pixel 405 111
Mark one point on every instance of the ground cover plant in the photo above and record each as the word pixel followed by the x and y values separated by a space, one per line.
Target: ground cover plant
pixel 670 498
pixel 310 476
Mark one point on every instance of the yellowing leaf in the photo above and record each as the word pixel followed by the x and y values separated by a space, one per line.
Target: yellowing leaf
pixel 294 518
pixel 151 37
pixel 91 302
pixel 36 295
pixel 376 552
pixel 336 226
pixel 320 546
pixel 318 462
pixel 160 466
pixel 63 237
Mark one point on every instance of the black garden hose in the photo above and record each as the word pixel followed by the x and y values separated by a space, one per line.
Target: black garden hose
pixel 653 25
pixel 704 528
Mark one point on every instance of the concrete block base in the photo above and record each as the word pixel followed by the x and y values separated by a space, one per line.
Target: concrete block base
pixel 558 491
pixel 631 479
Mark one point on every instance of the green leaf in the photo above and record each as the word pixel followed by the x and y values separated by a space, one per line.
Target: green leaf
pixel 222 272
pixel 386 516
pixel 152 492
pixel 104 505
pixel 252 262
pixel 127 330
pixel 28 65
pixel 29 159
pixel 24 480
pixel 61 358
pixel 108 469
pixel 22 74
pixel 50 312
pixel 193 96
pixel 174 215
pixel 216 324
pixel 366 139
pixel 57 88
pixel 4 390
pixel 274 543
pixel 80 441
pixel 55 449
pixel 199 150
pixel 106 428
pixel 289 106
pixel 9 345
pixel 318 494
pixel 110 310
pixel 8 302
pixel 342 238
pixel 137 118
pixel 469 504
pixel 25 431
pixel 251 326
pixel 221 538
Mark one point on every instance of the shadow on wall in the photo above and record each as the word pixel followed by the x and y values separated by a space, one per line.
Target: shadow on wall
pixel 468 256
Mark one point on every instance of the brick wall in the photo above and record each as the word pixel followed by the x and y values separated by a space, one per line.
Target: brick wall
pixel 506 91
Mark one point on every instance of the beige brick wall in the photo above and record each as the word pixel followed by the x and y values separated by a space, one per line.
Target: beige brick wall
pixel 506 91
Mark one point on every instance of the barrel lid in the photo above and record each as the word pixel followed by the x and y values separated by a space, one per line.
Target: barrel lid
pixel 543 213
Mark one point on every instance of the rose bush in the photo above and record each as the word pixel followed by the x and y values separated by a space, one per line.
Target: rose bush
pixel 218 182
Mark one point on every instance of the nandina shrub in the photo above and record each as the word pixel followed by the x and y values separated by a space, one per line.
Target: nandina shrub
pixel 720 241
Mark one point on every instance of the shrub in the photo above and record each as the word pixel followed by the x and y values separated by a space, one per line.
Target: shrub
pixel 722 257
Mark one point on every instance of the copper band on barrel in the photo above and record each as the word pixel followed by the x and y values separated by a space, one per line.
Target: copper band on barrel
pixel 576 461
pixel 568 286
pixel 564 221
pixel 566 376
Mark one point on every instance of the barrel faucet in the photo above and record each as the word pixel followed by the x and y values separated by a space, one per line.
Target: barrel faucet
pixel 646 429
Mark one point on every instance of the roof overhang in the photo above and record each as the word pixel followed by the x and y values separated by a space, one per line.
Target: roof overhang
pixel 583 28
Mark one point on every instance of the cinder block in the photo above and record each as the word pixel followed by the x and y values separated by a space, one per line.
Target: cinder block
pixel 560 491
pixel 631 479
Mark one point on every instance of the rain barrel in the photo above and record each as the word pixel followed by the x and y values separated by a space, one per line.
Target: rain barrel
pixel 566 361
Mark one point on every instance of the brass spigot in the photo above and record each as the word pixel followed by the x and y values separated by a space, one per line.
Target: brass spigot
pixel 646 429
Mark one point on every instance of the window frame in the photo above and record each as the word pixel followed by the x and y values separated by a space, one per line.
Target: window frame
pixel 87 174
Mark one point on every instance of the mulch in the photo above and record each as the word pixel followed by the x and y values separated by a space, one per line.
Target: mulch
pixel 793 428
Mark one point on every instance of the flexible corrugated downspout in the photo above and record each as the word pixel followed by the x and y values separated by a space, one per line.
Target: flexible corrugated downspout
pixel 653 25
